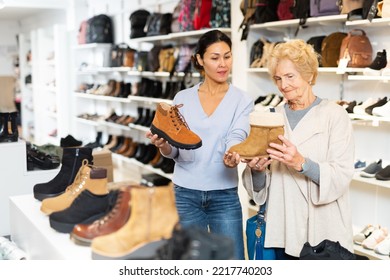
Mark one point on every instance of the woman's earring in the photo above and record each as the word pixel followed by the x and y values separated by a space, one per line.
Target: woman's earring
pixel 309 82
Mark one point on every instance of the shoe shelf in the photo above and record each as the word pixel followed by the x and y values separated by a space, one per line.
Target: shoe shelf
pixel 121 127
pixel 129 99
pixel 142 165
pixel 87 122
pixel 375 119
pixel 369 253
pixel 130 71
pixel 371 181
pixel 360 250
pixel 384 79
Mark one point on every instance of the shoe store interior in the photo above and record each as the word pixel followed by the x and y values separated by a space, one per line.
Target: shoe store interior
pixel 81 84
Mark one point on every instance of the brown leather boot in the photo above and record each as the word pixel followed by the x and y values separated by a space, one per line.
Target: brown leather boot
pixel 88 177
pixel 153 217
pixel 265 128
pixel 169 124
pixel 83 234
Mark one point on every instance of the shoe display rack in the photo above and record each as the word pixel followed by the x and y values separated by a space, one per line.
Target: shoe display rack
pixel 370 198
pixel 13 166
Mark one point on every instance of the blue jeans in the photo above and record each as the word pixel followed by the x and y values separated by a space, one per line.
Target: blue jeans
pixel 220 211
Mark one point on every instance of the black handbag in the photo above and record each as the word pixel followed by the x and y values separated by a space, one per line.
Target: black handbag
pixel 158 24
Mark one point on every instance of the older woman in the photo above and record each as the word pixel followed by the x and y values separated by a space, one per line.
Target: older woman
pixel 305 179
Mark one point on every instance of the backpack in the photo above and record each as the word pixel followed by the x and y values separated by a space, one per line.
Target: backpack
pixel 330 49
pixel 138 21
pixel 257 11
pixel 158 24
pixel 357 47
pixel 100 29
pixel 220 14
pixel 202 13
pixel 301 9
pixel 323 8
pixel 186 15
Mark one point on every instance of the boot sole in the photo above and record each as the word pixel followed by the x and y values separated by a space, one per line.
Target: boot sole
pixel 80 241
pixel 42 196
pixel 161 134
pixel 67 228
pixel 145 251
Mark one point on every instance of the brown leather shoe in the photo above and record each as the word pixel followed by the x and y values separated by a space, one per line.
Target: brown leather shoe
pixel 169 124
pixel 83 234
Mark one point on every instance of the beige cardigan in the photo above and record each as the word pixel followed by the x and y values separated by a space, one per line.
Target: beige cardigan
pixel 299 210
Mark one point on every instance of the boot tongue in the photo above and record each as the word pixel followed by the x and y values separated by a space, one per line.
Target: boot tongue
pixel 78 182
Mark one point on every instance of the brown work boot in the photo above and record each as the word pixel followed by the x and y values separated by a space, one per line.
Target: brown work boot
pixel 153 217
pixel 265 128
pixel 88 177
pixel 83 234
pixel 169 124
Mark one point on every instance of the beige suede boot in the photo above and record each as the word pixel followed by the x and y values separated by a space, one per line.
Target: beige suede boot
pixel 169 124
pixel 153 217
pixel 265 128
pixel 88 177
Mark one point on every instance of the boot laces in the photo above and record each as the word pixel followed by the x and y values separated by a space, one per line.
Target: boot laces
pixel 79 181
pixel 177 118
pixel 111 213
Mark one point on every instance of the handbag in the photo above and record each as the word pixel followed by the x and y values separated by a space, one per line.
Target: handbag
pixel 255 236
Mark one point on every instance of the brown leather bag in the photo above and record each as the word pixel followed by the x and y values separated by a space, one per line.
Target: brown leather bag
pixel 357 47
pixel 330 49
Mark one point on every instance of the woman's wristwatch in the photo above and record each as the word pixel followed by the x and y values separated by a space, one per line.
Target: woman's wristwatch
pixel 303 166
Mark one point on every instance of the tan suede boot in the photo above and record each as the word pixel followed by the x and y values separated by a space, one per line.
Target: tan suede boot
pixel 169 124
pixel 265 128
pixel 153 217
pixel 88 177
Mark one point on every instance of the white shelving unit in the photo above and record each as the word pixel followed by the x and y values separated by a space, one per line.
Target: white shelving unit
pixel 50 84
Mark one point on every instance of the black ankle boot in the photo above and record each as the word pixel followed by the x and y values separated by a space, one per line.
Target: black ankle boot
pixel 9 127
pixel 85 209
pixel 72 159
pixel 380 61
pixel 69 141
